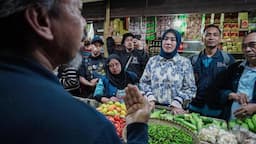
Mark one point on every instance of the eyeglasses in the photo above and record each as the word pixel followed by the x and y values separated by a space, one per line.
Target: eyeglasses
pixel 249 44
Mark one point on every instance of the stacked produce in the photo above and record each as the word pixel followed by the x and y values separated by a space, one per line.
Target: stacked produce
pixel 215 135
pixel 115 112
pixel 193 121
pixel 238 135
pixel 163 134
pixel 248 123
pixel 112 109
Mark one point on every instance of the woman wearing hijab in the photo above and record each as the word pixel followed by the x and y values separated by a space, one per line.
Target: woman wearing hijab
pixel 111 87
pixel 168 77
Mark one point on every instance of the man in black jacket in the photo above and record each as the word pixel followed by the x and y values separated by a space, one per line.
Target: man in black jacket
pixel 134 60
pixel 207 66
pixel 35 108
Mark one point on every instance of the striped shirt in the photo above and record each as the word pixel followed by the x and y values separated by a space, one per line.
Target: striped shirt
pixel 69 78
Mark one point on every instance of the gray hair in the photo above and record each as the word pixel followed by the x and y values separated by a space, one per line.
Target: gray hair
pixel 10 7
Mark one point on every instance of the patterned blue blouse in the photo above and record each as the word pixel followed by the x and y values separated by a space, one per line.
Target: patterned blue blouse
pixel 168 81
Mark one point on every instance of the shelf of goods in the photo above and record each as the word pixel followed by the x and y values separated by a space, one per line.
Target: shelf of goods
pixel 189 48
pixel 234 27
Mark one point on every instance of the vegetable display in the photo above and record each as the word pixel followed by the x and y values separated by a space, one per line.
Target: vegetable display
pixel 209 130
pixel 185 128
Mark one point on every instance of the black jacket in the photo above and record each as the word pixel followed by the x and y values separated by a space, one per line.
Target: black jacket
pixel 138 60
pixel 35 109
pixel 206 78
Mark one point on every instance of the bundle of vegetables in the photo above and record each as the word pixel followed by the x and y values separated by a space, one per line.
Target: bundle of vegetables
pixel 193 121
pixel 119 124
pixel 165 134
pixel 248 123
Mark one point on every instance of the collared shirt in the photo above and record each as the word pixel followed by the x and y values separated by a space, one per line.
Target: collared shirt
pixel 246 85
pixel 168 81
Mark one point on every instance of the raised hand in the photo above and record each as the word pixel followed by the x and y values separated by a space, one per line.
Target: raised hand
pixel 138 108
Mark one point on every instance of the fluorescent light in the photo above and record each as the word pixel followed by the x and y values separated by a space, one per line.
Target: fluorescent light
pixel 177 23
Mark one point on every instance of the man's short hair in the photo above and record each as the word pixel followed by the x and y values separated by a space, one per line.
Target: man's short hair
pixel 125 36
pixel 138 37
pixel 10 7
pixel 12 13
pixel 212 26
pixel 251 32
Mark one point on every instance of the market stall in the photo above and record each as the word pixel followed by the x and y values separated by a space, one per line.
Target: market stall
pixel 190 128
pixel 235 19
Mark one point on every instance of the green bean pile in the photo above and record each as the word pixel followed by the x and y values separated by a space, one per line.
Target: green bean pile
pixel 161 134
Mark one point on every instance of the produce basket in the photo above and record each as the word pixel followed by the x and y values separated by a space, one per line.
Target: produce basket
pixel 170 124
pixel 176 125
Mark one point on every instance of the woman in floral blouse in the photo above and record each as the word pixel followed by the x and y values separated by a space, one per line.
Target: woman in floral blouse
pixel 168 77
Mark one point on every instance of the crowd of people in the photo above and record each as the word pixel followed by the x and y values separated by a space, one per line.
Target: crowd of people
pixel 185 84
pixel 39 107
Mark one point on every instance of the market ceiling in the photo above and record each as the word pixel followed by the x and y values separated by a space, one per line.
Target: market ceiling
pixel 89 1
pixel 120 8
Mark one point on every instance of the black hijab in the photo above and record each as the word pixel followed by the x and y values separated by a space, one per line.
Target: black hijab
pixel 120 80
